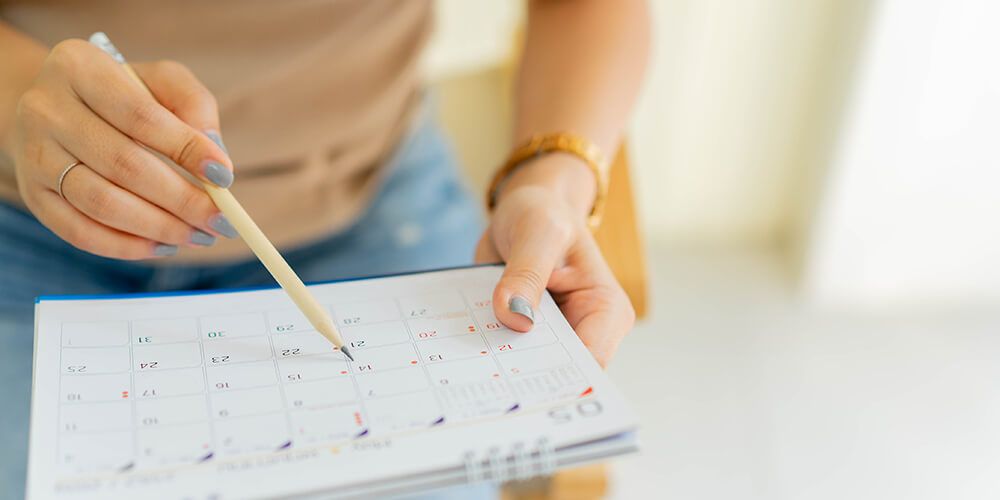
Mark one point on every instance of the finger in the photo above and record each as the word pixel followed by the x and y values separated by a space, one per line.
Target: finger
pixel 592 300
pixel 103 201
pixel 87 234
pixel 486 252
pixel 178 90
pixel 602 332
pixel 108 90
pixel 532 257
pixel 123 162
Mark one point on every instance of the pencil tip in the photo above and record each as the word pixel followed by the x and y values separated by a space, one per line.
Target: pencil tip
pixel 346 352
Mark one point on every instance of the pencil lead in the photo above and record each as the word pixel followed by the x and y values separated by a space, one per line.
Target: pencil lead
pixel 346 352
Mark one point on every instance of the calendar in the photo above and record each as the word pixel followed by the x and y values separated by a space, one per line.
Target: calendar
pixel 232 394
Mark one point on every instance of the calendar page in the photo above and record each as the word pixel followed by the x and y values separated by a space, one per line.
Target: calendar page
pixel 234 395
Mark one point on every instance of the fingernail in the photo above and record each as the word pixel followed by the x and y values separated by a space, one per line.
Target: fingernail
pixel 216 138
pixel 199 237
pixel 520 305
pixel 221 224
pixel 218 174
pixel 162 250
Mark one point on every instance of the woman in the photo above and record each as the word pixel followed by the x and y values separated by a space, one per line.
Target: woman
pixel 339 160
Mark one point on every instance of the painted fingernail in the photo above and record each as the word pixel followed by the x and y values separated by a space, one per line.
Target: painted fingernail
pixel 216 138
pixel 218 174
pixel 520 305
pixel 221 224
pixel 163 250
pixel 199 237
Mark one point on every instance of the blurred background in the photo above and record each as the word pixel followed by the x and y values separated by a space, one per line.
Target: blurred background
pixel 816 192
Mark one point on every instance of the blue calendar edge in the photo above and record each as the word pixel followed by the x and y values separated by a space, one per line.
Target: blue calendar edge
pixel 176 293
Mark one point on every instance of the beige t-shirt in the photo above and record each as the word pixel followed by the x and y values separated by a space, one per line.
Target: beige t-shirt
pixel 313 94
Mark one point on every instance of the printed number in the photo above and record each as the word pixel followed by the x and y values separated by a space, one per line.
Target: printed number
pixel 73 397
pixel 483 303
pixel 284 328
pixel 216 334
pixel 294 376
pixel 428 334
pixel 220 359
pixel 505 347
pixel 146 366
pixel 150 421
pixel 358 343
pixel 222 385
pixel 76 368
pixel 435 357
pixel 418 312
pixel 352 321
pixel 291 352
pixel 493 326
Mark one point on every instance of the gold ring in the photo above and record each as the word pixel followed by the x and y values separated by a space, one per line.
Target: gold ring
pixel 62 176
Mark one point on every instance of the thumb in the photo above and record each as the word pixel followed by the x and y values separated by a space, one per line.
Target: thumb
pixel 531 260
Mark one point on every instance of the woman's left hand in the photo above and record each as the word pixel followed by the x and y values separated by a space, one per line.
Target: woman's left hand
pixel 546 244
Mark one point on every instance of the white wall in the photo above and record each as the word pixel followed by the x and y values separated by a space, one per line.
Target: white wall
pixel 912 202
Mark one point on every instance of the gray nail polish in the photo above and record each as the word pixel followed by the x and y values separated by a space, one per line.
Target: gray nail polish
pixel 163 250
pixel 199 237
pixel 221 224
pixel 216 138
pixel 520 305
pixel 218 174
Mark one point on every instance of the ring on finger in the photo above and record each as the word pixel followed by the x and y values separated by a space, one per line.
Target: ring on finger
pixel 62 176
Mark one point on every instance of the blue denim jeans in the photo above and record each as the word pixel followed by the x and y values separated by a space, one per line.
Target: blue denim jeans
pixel 422 218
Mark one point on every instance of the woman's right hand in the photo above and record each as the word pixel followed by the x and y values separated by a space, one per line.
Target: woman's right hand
pixel 121 201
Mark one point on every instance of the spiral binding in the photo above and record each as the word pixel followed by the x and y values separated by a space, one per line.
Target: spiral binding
pixel 519 464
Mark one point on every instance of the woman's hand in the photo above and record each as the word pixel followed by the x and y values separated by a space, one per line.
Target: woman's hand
pixel 122 201
pixel 544 240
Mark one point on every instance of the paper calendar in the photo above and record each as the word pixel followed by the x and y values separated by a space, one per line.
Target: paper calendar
pixel 233 394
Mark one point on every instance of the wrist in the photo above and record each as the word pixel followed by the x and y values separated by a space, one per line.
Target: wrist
pixel 565 176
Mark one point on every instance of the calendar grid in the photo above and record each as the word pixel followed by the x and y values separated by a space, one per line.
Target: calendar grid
pixel 236 344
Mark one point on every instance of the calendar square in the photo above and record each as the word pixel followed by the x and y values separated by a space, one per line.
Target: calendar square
pixel 259 433
pixel 185 444
pixel 247 402
pixel 452 348
pixel 327 424
pixel 95 334
pixel 508 340
pixel 535 359
pixel 432 304
pixel 95 388
pixel 304 368
pixel 375 335
pixel 236 350
pixel 287 321
pixel 164 331
pixel 232 325
pixel 87 360
pixel 392 382
pixel 365 312
pixel 152 384
pixel 171 411
pixel 227 377
pixel 77 452
pixel 321 393
pixel 95 417
pixel 166 356
pixel 452 325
